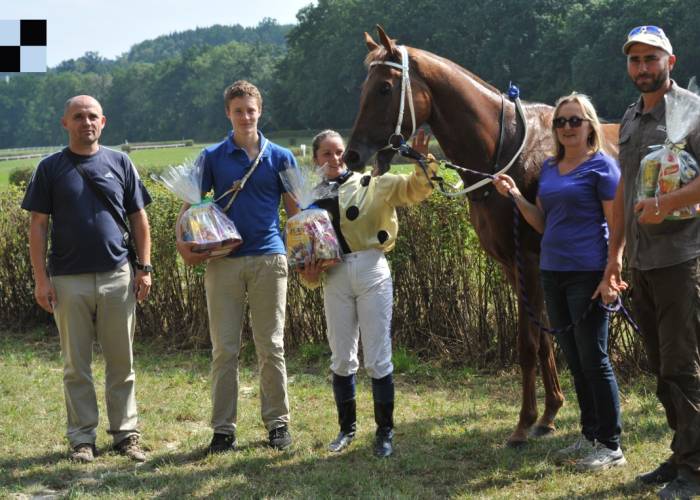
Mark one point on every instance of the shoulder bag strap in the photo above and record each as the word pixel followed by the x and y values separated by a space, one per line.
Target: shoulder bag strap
pixel 238 185
pixel 121 223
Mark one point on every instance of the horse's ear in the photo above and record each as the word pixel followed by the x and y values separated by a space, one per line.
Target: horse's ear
pixel 388 43
pixel 371 44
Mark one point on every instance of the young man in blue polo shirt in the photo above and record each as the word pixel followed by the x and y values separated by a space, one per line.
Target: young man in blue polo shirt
pixel 88 285
pixel 257 270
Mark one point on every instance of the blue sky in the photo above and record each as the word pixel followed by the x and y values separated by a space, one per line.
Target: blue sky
pixel 111 27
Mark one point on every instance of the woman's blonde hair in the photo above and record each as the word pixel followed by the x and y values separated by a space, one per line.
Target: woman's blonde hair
pixel 595 139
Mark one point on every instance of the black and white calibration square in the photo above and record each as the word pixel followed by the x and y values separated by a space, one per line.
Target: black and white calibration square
pixel 23 46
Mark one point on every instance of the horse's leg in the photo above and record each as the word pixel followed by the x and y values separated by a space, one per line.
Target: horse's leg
pixel 528 345
pixel 527 357
pixel 554 398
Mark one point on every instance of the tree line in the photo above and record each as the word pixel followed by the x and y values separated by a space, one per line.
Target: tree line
pixel 311 73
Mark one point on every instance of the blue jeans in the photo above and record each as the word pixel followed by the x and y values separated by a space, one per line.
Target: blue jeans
pixel 567 296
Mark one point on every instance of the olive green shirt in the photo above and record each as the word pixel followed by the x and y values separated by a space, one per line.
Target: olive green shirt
pixel 651 246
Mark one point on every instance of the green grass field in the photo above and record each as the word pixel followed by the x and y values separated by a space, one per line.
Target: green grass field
pixel 149 159
pixel 451 424
pixel 143 159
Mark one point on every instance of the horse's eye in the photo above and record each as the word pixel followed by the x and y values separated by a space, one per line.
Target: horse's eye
pixel 385 89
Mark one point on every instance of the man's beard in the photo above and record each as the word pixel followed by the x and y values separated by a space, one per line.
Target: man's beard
pixel 654 84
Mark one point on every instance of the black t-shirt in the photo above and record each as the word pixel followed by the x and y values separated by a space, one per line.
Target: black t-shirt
pixel 84 236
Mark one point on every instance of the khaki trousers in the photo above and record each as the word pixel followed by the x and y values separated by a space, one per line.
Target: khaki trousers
pixel 97 306
pixel 263 280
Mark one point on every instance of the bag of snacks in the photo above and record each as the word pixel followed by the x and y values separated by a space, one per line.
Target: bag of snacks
pixel 204 222
pixel 309 233
pixel 669 167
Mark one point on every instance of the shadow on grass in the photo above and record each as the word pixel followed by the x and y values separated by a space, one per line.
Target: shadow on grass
pixel 449 454
pixel 427 463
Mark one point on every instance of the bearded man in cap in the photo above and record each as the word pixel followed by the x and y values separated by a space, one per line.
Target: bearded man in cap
pixel 664 259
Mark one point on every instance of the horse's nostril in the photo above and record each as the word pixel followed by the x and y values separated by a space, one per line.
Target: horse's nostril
pixel 352 158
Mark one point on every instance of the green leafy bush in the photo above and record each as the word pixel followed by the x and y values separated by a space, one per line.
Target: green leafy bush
pixel 451 301
pixel 21 176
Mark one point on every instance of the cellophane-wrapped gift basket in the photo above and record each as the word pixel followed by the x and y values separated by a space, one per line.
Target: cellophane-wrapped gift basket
pixel 669 166
pixel 310 233
pixel 204 222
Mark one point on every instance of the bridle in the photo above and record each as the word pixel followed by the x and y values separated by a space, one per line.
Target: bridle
pixel 397 142
pixel 397 137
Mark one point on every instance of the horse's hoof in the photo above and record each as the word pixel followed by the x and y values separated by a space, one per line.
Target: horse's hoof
pixel 540 431
pixel 516 443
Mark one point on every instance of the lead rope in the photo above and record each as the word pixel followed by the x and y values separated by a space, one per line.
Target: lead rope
pixel 406 150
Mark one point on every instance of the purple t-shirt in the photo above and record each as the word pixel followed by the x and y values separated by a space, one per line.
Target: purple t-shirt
pixel 575 231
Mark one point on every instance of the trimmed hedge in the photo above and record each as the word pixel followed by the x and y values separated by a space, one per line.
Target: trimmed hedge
pixel 450 300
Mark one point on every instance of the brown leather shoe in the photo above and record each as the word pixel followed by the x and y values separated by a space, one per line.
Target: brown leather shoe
pixel 84 453
pixel 130 447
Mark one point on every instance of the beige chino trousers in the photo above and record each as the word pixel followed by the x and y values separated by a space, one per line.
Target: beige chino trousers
pixel 101 307
pixel 263 280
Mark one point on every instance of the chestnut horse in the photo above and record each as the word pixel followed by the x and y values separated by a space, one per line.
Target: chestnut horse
pixel 465 115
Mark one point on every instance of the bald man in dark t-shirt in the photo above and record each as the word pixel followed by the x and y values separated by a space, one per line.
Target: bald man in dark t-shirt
pixel 89 285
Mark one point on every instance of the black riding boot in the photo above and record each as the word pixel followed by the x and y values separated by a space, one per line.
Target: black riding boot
pixel 383 395
pixel 344 392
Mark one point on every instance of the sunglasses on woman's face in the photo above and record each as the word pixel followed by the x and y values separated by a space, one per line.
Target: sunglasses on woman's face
pixel 574 121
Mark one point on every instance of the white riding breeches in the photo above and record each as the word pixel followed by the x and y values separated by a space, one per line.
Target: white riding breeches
pixel 358 299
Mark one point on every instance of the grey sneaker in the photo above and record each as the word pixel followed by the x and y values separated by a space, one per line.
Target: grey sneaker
pixel 83 452
pixel 129 447
pixel 601 458
pixel 575 450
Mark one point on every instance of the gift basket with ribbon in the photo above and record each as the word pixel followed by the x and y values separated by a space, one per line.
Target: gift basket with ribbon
pixel 309 233
pixel 203 222
pixel 669 166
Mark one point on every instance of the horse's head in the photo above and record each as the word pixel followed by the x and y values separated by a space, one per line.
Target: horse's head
pixel 380 103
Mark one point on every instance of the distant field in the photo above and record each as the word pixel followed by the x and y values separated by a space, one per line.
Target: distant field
pixel 149 159
pixel 143 159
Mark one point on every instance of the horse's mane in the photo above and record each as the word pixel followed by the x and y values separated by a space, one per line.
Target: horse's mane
pixel 380 54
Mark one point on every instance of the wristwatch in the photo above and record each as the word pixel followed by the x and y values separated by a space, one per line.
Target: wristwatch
pixel 146 268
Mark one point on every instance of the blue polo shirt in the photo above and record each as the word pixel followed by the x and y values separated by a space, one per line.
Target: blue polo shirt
pixel 575 231
pixel 84 236
pixel 255 211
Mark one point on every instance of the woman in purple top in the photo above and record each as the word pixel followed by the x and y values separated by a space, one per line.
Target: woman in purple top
pixel 572 211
